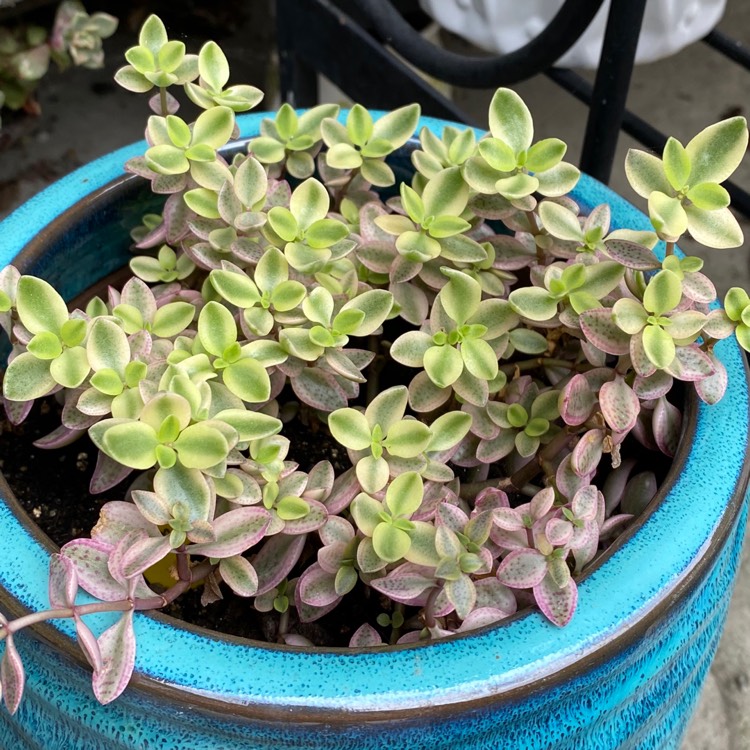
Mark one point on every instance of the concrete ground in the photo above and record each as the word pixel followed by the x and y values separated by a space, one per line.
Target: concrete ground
pixel 85 115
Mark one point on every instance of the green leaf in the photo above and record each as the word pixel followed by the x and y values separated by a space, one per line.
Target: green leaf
pixel 413 205
pixel 201 446
pixel 213 66
pixel 676 163
pixel 397 126
pixel 404 494
pixel 107 346
pixel 171 56
pixel 248 380
pixel 167 159
pixel 410 347
pixel 203 201
pixel 177 131
pixel 718 150
pixel 518 186
pixel 284 223
pixel 376 304
pixel 27 378
pixel 533 303
pixel 292 508
pixel 309 203
pixel 498 154
pixel 629 315
pixel 461 296
pixel 359 125
pixel 645 173
pixel 446 194
pixel 343 156
pixel 448 430
pixel 141 58
pixel 417 246
pixel 39 306
pixel 70 368
pixel 663 292
pixel 708 196
pixel 560 221
pixel 185 486
pixel 735 302
pixel 407 438
pixel 45 345
pixel 266 150
pixel 659 346
pixel 718 229
pixel 131 80
pixel 510 120
pixel 250 425
pixel 216 328
pixel 287 295
pixel 443 365
pixel 557 181
pixel 372 473
pixel 250 182
pixel 667 216
pixel 237 288
pixel 172 318
pixel 107 381
pixel 479 358
pixel 366 513
pixel 390 543
pixel 132 444
pixel 347 321
pixel 350 428
pixel 325 233
pixel 214 127
pixel 545 154
pixel 377 173
pixel 153 35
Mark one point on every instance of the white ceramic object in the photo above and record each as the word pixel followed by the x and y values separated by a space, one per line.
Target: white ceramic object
pixel 505 25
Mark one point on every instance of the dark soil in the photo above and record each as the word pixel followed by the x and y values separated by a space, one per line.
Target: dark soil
pixel 52 486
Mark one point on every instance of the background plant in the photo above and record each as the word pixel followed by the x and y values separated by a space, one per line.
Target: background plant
pixel 482 358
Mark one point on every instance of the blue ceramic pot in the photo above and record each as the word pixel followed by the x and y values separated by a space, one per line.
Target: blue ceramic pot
pixel 625 673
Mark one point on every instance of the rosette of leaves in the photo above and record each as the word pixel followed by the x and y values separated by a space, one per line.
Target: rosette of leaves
pixel 467 335
pixel 509 165
pixel 78 36
pixel 167 266
pixel 54 352
pixel 452 149
pixel 390 534
pixel 307 237
pixel 156 61
pixel 433 227
pixel 290 141
pixel 737 306
pixel 212 90
pixel 362 144
pixel 683 189
pixel 24 60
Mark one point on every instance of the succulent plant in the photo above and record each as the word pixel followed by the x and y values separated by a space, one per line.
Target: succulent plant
pixel 478 357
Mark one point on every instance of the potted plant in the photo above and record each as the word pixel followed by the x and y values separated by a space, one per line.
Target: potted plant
pixel 484 354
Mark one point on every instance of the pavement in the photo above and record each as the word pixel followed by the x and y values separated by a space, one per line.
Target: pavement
pixel 84 115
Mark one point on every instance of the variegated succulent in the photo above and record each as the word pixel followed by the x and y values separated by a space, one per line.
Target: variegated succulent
pixel 476 356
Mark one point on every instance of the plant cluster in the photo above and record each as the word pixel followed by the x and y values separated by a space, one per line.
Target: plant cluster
pixel 26 50
pixel 484 356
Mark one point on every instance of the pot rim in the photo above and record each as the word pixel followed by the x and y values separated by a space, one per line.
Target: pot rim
pixel 619 599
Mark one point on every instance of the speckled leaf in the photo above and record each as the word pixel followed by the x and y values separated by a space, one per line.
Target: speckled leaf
pixel 107 474
pixel 690 363
pixel 117 646
pixel 58 438
pixel 276 558
pixel 143 554
pixel 631 255
pixel 404 584
pixel 600 329
pixel 12 676
pixel 365 636
pixel 462 595
pixel 239 574
pixel 522 569
pixel 654 386
pixel 89 645
pixel 619 405
pixel 317 587
pixel 712 388
pixel 587 453
pixel 319 390
pixel 63 582
pixel 345 489
pixel 557 605
pixel 643 366
pixel 666 424
pixel 91 559
pixel 576 401
pixel 236 531
pixel 424 395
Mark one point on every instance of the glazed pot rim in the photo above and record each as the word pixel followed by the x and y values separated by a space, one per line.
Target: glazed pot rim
pixel 486 665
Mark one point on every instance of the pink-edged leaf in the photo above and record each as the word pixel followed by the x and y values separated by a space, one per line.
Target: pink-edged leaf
pixel 619 405
pixel 12 676
pixel 712 388
pixel 404 584
pixel 557 605
pixel 91 560
pixel 58 438
pixel 494 595
pixel 73 418
pixel 586 548
pixel 89 645
pixel 599 327
pixel 309 612
pixel 143 554
pixel 654 386
pixel 331 557
pixel 63 582
pixel 698 287
pixel 239 574
pixel 317 587
pixel 690 363
pixel 17 411
pixel 462 595
pixel 377 256
pixel 586 501
pixel 117 518
pixel 508 518
pixel 140 344
pixel 541 503
pixel 522 569
pixel 236 531
pixel 509 540
pixel 480 618
pixel 403 270
pixel 489 499
pixel 566 480
pixel 107 474
pixel 152 507
pixel 276 558
pixel 642 365
pixel 558 531
pixel 365 636
pixel 452 517
pixel 176 214
pixel 319 389
pixel 587 453
pixel 576 401
pixel 117 647
pixel 666 424
pixel 345 489
pixel 614 525
pixel 336 530
pixel 631 255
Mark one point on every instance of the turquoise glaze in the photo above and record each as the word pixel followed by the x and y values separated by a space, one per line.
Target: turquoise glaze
pixel 625 672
